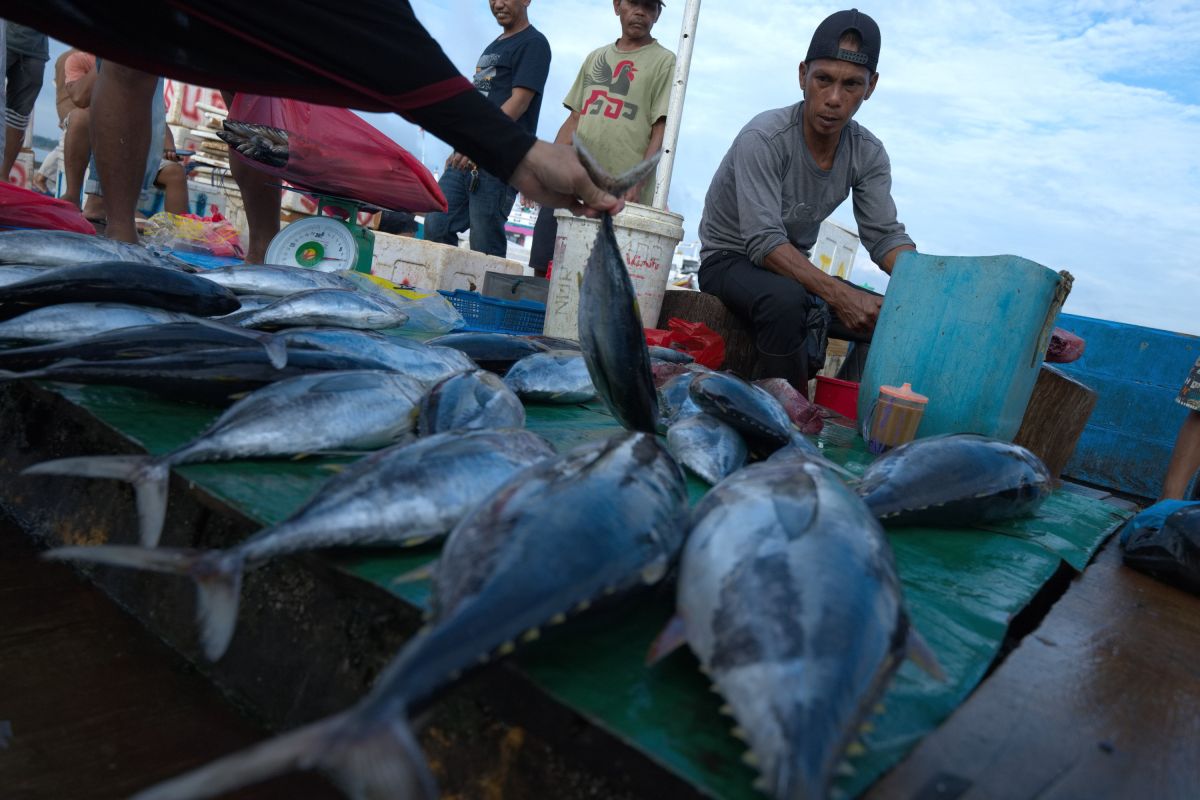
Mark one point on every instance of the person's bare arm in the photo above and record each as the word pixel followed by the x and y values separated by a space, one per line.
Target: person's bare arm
pixel 888 262
pixel 566 134
pixel 80 90
pixel 857 310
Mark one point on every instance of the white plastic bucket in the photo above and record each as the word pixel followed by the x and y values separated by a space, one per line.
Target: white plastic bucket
pixel 646 238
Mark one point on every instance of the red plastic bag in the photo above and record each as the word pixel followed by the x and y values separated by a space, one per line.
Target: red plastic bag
pixel 334 151
pixel 21 208
pixel 1065 347
pixel 694 338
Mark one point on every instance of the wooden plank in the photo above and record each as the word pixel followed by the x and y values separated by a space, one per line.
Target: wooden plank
pixel 1057 413
pixel 1101 701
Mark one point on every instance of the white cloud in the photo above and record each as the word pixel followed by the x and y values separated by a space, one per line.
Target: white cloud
pixel 1065 133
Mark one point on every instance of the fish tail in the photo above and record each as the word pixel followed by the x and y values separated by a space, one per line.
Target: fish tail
pixel 620 184
pixel 150 478
pixel 366 760
pixel 217 575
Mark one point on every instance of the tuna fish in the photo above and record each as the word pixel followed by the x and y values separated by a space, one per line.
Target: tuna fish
pixel 74 320
pixel 206 376
pixel 603 519
pixel 495 352
pixel 273 279
pixel 559 376
pixel 955 480
pixel 670 356
pixel 335 307
pixel 406 356
pixel 15 273
pixel 469 400
pixel 707 446
pixel 675 398
pixel 61 248
pixel 307 414
pixel 746 408
pixel 143 341
pixel 790 600
pixel 119 282
pixel 610 324
pixel 404 495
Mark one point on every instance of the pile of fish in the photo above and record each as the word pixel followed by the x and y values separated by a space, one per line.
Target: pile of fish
pixel 786 590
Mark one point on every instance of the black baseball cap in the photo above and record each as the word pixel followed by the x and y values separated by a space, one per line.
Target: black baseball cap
pixel 829 35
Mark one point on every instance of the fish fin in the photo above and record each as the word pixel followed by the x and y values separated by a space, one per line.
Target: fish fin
pixel 620 184
pixel 150 478
pixel 671 638
pixel 334 468
pixel 855 749
pixel 277 352
pixel 300 456
pixel 364 759
pixel 422 573
pixel 656 570
pixel 238 396
pixel 218 592
pixel 923 656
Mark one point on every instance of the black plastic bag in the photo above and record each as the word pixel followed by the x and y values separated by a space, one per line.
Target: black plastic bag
pixel 1170 553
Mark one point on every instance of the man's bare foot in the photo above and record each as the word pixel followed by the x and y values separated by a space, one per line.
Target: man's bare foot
pixel 39 183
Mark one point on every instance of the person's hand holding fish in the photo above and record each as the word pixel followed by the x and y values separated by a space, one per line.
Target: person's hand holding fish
pixel 552 175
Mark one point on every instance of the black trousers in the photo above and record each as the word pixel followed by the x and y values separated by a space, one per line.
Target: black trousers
pixel 776 308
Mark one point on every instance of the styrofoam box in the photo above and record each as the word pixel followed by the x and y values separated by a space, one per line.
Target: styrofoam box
pixel 429 265
pixel 835 249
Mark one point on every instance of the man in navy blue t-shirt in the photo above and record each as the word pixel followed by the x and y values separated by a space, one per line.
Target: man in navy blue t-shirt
pixel 511 73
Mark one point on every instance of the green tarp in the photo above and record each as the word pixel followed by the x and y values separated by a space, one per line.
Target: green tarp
pixel 962 589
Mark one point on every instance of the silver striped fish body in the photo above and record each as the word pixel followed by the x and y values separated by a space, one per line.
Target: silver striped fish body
pixel 955 479
pixel 469 400
pixel 74 320
pixel 340 307
pixel 358 409
pixel 404 495
pixel 557 376
pixel 752 411
pixel 791 602
pixel 406 356
pixel 495 352
pixel 61 248
pixel 612 337
pixel 15 273
pixel 707 446
pixel 606 517
pixel 273 279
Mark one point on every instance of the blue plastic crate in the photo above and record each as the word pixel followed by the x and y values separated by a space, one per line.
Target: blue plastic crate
pixel 501 316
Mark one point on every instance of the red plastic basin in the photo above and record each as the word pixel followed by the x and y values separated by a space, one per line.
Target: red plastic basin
pixel 837 395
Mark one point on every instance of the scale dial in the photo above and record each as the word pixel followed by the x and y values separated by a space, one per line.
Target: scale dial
pixel 320 243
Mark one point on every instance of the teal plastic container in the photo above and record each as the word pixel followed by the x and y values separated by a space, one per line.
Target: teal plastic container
pixel 970 333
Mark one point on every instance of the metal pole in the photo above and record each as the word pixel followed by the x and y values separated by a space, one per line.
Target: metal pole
pixel 683 63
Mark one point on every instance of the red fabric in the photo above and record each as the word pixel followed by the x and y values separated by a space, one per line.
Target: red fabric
pixel 334 151
pixel 1065 347
pixel 694 338
pixel 21 208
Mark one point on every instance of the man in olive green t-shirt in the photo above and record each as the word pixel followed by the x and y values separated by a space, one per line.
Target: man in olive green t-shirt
pixel 618 108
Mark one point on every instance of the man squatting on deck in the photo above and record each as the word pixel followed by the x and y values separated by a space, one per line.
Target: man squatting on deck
pixel 787 171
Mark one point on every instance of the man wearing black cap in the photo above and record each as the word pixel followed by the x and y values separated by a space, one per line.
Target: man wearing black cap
pixel 787 171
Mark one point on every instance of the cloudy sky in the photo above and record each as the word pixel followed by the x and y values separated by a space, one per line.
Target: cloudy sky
pixel 1066 133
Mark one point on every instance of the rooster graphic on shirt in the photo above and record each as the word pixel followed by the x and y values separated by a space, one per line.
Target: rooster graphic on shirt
pixel 610 85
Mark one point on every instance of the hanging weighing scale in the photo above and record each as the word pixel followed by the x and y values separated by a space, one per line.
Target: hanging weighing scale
pixel 325 242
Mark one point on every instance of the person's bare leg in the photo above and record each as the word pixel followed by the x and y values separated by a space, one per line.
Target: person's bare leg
pixel 261 199
pixel 77 149
pixel 13 139
pixel 173 181
pixel 121 140
pixel 1185 459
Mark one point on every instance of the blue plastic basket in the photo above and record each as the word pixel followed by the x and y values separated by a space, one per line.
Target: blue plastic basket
pixel 501 316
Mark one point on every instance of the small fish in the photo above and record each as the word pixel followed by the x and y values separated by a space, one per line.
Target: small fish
pixel 604 518
pixel 495 352
pixel 559 376
pixel 260 143
pixel 406 356
pixel 406 494
pixel 610 325
pixel 790 600
pixel 62 248
pixel 335 307
pixel 144 341
pixel 707 446
pixel 74 320
pixel 469 400
pixel 308 414
pixel 120 282
pixel 955 480
pixel 275 280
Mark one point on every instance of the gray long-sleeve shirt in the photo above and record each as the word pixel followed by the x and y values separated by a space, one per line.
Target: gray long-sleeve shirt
pixel 769 190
